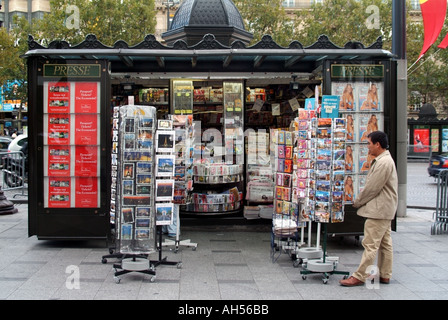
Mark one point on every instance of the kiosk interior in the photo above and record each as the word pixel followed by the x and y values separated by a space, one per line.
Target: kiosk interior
pixel 230 90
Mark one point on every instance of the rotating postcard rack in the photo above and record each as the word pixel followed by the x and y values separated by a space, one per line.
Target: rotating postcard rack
pixel 285 219
pixel 182 175
pixel 183 171
pixel 165 164
pixel 325 190
pixel 134 197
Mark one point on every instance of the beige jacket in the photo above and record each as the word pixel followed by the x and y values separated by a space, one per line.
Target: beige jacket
pixel 379 198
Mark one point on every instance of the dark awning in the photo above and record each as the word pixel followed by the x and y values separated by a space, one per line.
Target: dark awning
pixel 210 56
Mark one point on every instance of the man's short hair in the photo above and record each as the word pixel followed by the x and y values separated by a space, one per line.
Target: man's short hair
pixel 379 136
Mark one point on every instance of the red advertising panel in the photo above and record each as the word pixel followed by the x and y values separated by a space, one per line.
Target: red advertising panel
pixel 86 129
pixel 86 192
pixel 59 128
pixel 86 97
pixel 59 192
pixel 59 161
pixel 58 97
pixel 72 138
pixel 421 140
pixel 86 161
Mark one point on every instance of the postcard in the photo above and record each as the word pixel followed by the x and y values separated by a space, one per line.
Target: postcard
pixel 165 141
pixel 164 190
pixel 165 165
pixel 164 213
pixel 165 124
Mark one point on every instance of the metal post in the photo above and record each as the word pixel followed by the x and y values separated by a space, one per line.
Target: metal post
pixel 169 4
pixel 399 49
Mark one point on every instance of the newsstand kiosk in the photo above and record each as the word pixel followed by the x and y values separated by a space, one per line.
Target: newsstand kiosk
pixel 69 133
pixel 70 112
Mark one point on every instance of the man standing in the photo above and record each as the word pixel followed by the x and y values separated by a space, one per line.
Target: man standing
pixel 377 202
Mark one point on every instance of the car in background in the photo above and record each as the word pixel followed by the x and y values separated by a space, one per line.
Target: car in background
pixel 18 143
pixel 437 163
pixel 4 143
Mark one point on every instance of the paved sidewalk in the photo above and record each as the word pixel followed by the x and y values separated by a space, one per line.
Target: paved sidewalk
pixel 226 265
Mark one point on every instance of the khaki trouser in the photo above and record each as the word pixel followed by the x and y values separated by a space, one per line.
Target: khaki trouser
pixel 377 240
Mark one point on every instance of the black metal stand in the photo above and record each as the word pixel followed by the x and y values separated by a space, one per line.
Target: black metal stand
pixel 134 263
pixel 163 261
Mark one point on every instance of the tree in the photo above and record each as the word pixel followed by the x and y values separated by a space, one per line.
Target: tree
pixel 347 20
pixel 11 65
pixel 108 20
pixel 267 17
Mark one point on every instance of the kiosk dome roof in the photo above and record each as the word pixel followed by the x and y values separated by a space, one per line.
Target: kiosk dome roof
pixel 206 13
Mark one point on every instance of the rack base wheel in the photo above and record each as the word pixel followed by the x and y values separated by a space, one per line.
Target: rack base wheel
pixel 117 280
pixel 297 263
pixel 179 265
pixel 325 278
pixel 104 261
pixel 303 277
pixel 152 279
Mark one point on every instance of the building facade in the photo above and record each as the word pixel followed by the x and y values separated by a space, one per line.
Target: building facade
pixel 31 9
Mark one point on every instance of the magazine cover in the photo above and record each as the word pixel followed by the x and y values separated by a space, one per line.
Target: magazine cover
pixel 350 133
pixel 347 93
pixel 369 96
pixel 365 159
pixel 349 189
pixel 367 123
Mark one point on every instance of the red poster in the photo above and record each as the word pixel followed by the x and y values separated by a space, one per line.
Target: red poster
pixel 59 161
pixel 58 128
pixel 86 129
pixel 86 97
pixel 86 193
pixel 86 161
pixel 58 97
pixel 421 140
pixel 59 192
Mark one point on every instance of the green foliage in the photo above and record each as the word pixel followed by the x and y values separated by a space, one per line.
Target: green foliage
pixel 108 20
pixel 347 20
pixel 72 21
pixel 267 17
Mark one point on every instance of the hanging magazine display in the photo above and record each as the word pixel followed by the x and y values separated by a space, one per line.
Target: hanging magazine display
pixel 362 105
pixel 134 183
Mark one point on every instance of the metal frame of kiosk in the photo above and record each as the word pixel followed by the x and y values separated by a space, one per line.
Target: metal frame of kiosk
pixel 70 149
